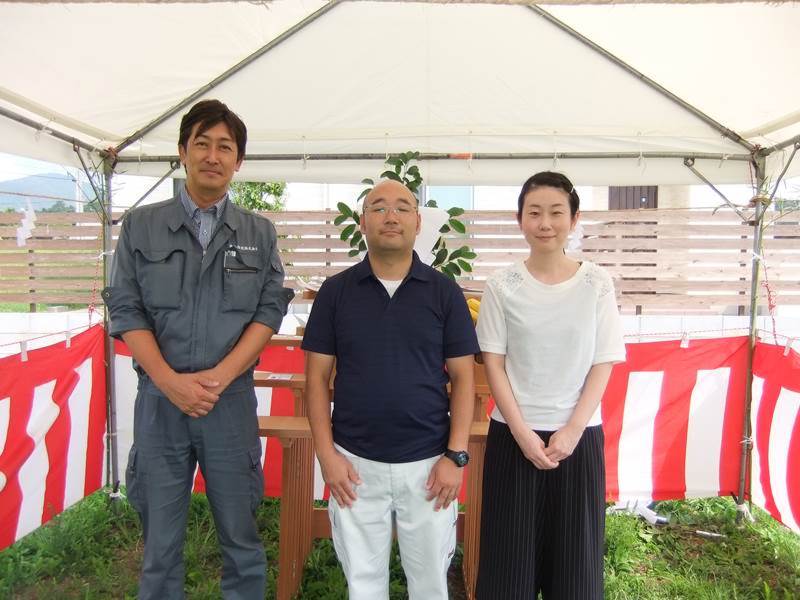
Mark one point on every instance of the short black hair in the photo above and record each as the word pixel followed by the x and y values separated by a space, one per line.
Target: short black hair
pixel 209 113
pixel 553 180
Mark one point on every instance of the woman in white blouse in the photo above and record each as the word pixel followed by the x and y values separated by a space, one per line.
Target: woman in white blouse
pixel 549 331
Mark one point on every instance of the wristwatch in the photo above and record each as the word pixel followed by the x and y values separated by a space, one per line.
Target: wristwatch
pixel 460 457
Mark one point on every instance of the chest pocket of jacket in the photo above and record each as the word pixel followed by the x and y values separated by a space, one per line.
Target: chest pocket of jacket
pixel 161 277
pixel 242 275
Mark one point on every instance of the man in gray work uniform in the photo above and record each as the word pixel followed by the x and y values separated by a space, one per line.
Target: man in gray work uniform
pixel 196 292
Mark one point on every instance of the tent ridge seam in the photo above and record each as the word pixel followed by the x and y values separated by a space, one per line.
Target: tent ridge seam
pixel 227 74
pixel 725 131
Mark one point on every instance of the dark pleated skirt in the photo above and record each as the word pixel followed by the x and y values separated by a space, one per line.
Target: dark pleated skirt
pixel 542 530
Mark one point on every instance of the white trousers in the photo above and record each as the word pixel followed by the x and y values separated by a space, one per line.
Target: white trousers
pixel 362 534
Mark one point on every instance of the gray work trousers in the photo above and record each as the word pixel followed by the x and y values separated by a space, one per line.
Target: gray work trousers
pixel 167 445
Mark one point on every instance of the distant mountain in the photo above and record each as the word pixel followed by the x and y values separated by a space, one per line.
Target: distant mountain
pixel 43 191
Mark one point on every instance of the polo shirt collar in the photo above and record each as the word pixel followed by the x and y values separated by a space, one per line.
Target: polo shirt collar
pixel 417 271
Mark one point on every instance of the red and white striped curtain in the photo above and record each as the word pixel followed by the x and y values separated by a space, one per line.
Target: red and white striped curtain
pixel 673 418
pixel 775 419
pixel 52 426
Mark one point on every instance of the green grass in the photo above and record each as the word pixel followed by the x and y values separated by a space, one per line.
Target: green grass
pixel 759 560
pixel 93 551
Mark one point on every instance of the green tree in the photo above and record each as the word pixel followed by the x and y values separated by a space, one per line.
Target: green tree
pixel 58 207
pixel 259 195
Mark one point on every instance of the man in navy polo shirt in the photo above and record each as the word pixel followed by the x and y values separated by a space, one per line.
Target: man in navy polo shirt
pixel 395 445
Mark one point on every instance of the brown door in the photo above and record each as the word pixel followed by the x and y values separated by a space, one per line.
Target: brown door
pixel 632 196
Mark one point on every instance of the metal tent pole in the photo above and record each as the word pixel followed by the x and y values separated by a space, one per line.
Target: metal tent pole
pixel 785 168
pixel 716 156
pixel 112 471
pixel 73 141
pixel 173 166
pixel 793 141
pixel 761 204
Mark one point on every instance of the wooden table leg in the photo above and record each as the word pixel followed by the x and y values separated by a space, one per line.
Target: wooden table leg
pixel 472 515
pixel 299 403
pixel 297 498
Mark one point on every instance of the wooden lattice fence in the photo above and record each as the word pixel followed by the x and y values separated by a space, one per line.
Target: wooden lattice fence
pixel 682 261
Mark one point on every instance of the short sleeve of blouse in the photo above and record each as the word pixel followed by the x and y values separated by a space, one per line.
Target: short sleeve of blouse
pixel 610 343
pixel 491 328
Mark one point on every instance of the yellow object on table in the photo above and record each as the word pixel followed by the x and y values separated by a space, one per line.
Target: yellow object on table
pixel 474 305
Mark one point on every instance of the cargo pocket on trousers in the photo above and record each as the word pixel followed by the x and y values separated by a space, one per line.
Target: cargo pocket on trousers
pixel 133 481
pixel 256 478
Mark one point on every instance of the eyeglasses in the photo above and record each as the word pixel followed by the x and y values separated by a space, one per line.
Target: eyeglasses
pixel 382 211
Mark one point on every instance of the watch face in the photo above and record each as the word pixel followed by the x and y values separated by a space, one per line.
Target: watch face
pixel 461 458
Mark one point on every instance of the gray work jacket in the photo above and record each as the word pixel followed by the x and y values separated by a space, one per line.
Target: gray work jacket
pixel 197 304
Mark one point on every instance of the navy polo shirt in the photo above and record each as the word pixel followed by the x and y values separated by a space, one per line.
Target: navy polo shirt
pixel 390 400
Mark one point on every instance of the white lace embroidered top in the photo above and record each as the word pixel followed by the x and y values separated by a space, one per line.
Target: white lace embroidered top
pixel 551 336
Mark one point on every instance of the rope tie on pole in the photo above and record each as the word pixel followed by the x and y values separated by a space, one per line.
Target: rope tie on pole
pixel 555 151
pixel 43 129
pixel 641 160
pixel 684 340
pixel 743 511
pixel 469 148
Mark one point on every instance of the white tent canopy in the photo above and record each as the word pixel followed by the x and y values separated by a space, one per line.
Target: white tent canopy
pixel 345 83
